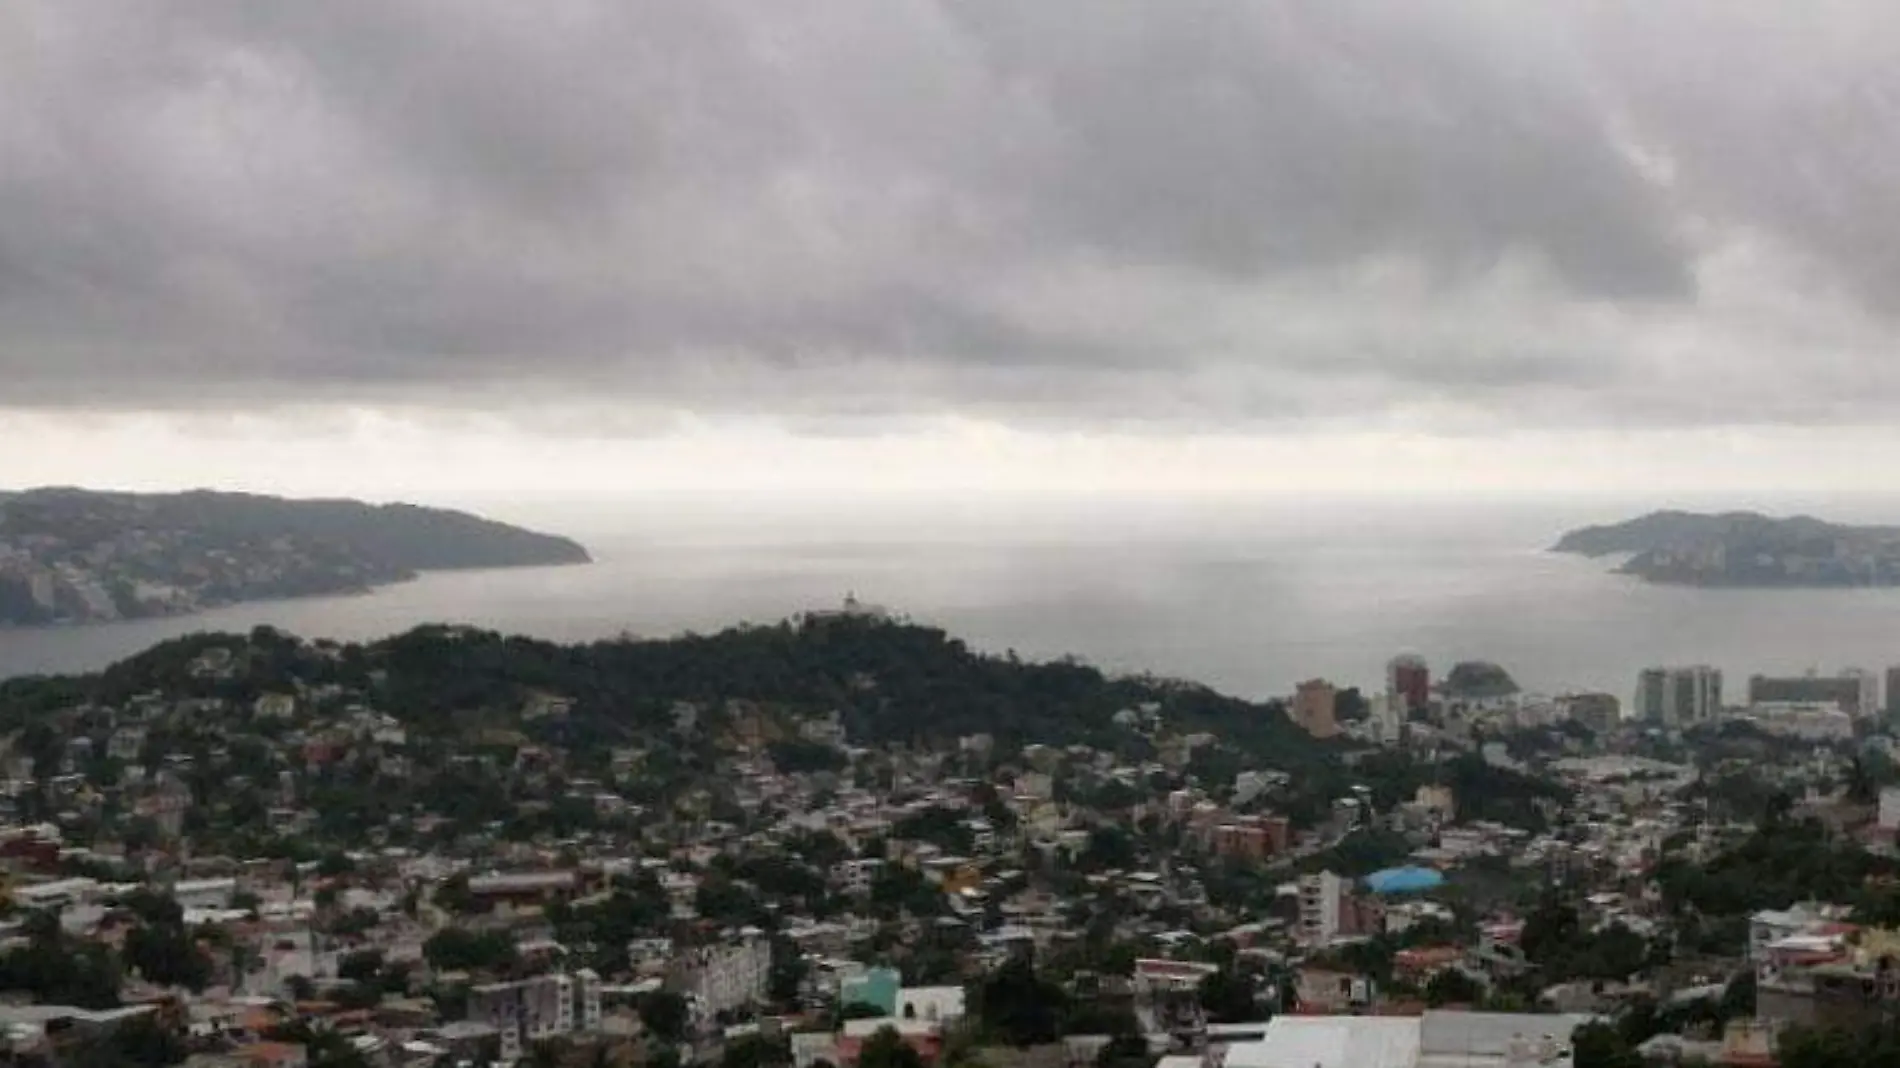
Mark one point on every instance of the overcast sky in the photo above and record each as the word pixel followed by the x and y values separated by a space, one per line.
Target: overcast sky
pixel 394 247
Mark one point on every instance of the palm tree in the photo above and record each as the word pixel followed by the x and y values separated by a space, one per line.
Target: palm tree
pixel 1861 787
pixel 545 1054
pixel 243 960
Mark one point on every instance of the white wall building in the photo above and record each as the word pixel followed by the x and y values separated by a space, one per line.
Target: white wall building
pixel 1772 925
pixel 931 1004
pixel 1806 720
pixel 204 893
pixel 1438 1039
pixel 1890 808
pixel 1679 696
pixel 527 1010
pixel 726 977
pixel 1319 907
pixel 1387 718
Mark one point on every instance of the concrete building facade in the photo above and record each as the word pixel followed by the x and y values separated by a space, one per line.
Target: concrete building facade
pixel 527 1010
pixel 1854 691
pixel 1679 696
pixel 1314 708
pixel 725 977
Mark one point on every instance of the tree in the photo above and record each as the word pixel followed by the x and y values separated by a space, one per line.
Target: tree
pixel 453 895
pixel 1020 1007
pixel 140 1041
pixel 940 826
pixel 1451 986
pixel 887 1049
pixel 167 954
pixel 1738 998
pixel 544 1054
pixel 1550 930
pixel 756 1051
pixel 1125 1049
pixel 1816 1047
pixel 457 949
pixel 244 960
pixel 727 903
pixel 788 972
pixel 1600 1045
pixel 795 755
pixel 665 1014
pixel 1227 996
pixel 1108 847
pixel 1349 705
pixel 363 966
pixel 334 864
pixel 152 907
pixel 58 969
pixel 896 888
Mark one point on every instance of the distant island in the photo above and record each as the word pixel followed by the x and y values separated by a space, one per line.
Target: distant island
pixel 79 556
pixel 1744 549
pixel 1479 680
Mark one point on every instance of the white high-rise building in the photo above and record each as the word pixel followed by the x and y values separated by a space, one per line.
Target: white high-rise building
pixel 1319 907
pixel 1679 696
pixel 1889 812
pixel 1388 718
pixel 1868 704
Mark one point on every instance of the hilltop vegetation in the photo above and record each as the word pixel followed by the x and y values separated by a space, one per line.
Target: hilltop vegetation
pixel 837 697
pixel 684 704
pixel 889 682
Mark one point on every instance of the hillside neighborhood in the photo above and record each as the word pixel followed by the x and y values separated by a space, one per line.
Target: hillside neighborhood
pixel 255 850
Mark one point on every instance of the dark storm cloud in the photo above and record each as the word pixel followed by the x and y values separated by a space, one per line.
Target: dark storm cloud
pixel 1783 115
pixel 1085 208
pixel 1246 137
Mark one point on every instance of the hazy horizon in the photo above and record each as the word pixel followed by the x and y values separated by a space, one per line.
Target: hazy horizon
pixel 877 280
pixel 1247 597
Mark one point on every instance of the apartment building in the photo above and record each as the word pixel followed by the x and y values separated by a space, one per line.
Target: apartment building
pixel 527 1010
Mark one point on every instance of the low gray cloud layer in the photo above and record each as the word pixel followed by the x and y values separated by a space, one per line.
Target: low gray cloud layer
pixel 1084 209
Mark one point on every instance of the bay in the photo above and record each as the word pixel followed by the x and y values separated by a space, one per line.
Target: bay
pixel 1249 596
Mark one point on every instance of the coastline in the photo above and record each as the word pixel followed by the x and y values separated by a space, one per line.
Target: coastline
pixel 1246 604
pixel 341 592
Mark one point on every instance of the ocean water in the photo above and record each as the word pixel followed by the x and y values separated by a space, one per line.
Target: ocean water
pixel 1250 597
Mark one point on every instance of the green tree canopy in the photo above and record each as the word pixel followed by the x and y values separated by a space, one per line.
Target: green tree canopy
pixel 887 1049
pixel 459 949
pixel 665 1014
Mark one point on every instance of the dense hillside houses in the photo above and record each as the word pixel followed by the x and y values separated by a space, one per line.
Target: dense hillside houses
pixel 847 840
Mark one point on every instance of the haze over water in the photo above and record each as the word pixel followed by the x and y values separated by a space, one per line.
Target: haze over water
pixel 1249 597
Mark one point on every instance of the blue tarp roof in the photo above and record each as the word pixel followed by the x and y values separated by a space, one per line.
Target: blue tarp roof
pixel 1403 880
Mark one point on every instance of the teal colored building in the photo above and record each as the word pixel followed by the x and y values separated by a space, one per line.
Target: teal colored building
pixel 877 987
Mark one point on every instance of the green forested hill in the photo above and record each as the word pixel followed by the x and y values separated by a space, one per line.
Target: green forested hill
pixel 889 681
